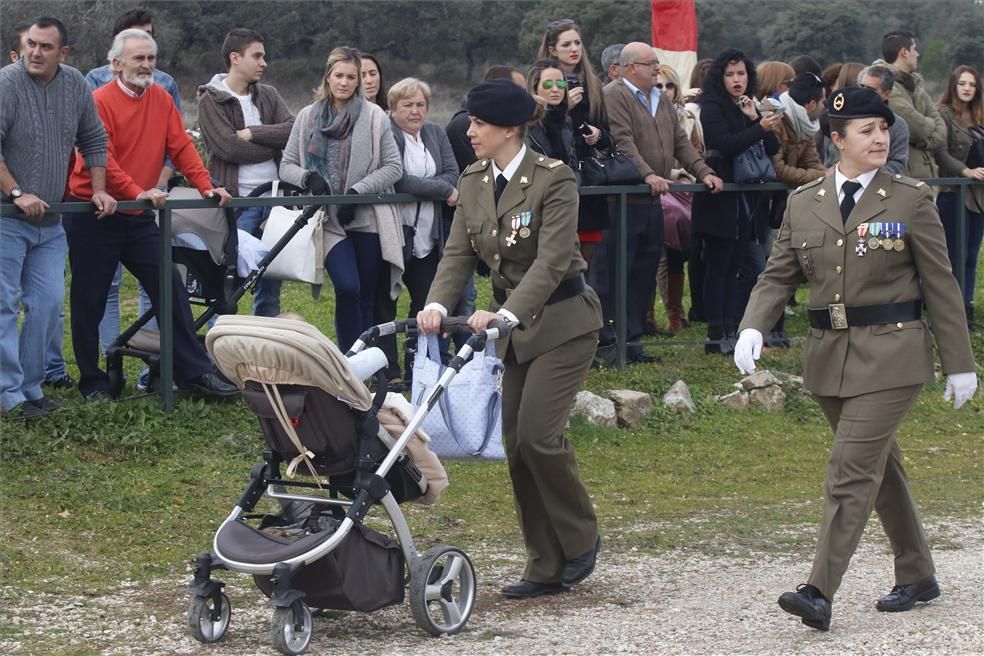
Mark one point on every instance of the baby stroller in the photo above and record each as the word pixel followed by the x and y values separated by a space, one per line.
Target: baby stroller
pixel 206 250
pixel 319 418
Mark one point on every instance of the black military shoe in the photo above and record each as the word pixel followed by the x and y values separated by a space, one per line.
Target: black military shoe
pixel 529 589
pixel 808 604
pixel 209 385
pixel 580 568
pixel 904 597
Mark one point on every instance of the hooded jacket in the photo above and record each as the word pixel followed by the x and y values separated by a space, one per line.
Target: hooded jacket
pixel 927 130
pixel 220 115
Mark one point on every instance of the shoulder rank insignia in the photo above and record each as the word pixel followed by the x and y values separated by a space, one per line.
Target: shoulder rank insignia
pixel 555 164
pixel 808 185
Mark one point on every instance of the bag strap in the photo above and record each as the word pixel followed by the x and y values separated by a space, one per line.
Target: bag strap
pixel 492 410
pixel 280 412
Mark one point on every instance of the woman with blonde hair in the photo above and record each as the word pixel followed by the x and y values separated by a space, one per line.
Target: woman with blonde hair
pixel 962 108
pixel 342 144
pixel 774 78
pixel 676 215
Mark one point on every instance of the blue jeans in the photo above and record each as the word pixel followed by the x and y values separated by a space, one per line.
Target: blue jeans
pixel 54 361
pixel 266 298
pixel 354 265
pixel 973 235
pixel 32 274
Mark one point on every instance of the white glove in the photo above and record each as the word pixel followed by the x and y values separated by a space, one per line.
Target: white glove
pixel 959 387
pixel 748 350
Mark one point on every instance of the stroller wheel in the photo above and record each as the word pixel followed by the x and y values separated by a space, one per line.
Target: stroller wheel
pixel 442 590
pixel 291 628
pixel 117 381
pixel 207 623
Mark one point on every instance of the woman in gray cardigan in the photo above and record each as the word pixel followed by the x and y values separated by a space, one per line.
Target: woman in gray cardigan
pixel 342 144
pixel 429 171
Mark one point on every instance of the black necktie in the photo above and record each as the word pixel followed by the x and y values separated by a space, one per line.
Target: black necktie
pixel 500 184
pixel 850 188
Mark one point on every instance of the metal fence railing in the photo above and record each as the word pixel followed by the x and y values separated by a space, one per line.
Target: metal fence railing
pixel 621 193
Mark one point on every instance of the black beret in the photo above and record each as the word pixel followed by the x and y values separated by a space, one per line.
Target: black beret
pixel 856 102
pixel 501 102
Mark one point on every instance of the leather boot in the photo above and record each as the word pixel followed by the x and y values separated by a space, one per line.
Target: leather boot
pixel 675 321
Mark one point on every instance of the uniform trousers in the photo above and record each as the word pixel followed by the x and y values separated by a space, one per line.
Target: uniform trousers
pixel 95 247
pixel 555 512
pixel 865 473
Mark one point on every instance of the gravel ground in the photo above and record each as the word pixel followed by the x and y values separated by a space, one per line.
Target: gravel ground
pixel 680 602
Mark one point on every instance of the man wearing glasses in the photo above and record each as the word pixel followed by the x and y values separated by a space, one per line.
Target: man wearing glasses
pixel 645 128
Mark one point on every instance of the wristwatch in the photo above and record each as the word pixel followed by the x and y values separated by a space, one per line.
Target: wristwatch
pixel 16 193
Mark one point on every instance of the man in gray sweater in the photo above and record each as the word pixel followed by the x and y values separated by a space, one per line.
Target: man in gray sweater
pixel 246 126
pixel 46 109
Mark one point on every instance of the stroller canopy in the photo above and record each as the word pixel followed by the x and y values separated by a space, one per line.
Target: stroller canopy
pixel 283 352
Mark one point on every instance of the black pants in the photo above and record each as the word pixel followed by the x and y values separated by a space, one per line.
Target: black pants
pixel 644 247
pixel 95 246
pixel 418 275
pixel 722 262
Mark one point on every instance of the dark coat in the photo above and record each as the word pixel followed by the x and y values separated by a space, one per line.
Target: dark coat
pixel 727 132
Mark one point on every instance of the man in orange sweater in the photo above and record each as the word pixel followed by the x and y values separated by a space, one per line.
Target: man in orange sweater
pixel 142 124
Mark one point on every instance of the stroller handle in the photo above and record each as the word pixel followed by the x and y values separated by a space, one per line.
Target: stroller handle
pixel 497 329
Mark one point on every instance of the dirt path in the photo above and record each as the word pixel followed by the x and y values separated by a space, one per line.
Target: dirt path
pixel 681 602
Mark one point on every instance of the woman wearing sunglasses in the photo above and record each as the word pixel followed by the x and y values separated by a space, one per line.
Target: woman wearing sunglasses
pixel 676 216
pixel 554 134
pixel 563 43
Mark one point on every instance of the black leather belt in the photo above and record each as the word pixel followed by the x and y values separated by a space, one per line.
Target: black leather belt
pixel 566 289
pixel 837 316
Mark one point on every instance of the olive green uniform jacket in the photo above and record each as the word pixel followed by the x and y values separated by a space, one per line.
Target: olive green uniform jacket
pixel 532 267
pixel 815 245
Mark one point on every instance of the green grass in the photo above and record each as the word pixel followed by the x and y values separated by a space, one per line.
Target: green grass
pixel 106 492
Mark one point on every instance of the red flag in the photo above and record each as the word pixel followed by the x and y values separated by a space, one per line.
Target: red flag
pixel 675 34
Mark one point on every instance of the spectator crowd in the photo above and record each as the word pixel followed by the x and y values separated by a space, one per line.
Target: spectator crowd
pixel 117 134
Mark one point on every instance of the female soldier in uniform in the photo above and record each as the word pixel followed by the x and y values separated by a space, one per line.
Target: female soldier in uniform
pixel 872 247
pixel 517 212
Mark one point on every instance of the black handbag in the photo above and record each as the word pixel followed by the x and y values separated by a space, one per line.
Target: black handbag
pixel 753 165
pixel 615 168
pixel 409 232
pixel 975 158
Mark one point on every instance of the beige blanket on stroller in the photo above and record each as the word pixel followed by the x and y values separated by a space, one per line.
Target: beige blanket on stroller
pixel 277 351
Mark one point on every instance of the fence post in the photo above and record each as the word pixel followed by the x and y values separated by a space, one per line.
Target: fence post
pixel 165 311
pixel 621 280
pixel 961 229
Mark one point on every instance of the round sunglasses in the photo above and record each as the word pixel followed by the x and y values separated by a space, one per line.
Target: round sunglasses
pixel 668 85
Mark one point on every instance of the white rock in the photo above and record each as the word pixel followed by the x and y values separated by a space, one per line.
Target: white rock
pixel 790 379
pixel 630 406
pixel 762 378
pixel 595 409
pixel 770 398
pixel 736 400
pixel 678 397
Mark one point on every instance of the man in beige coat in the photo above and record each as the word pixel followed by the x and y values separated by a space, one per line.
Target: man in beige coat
pixel 872 247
